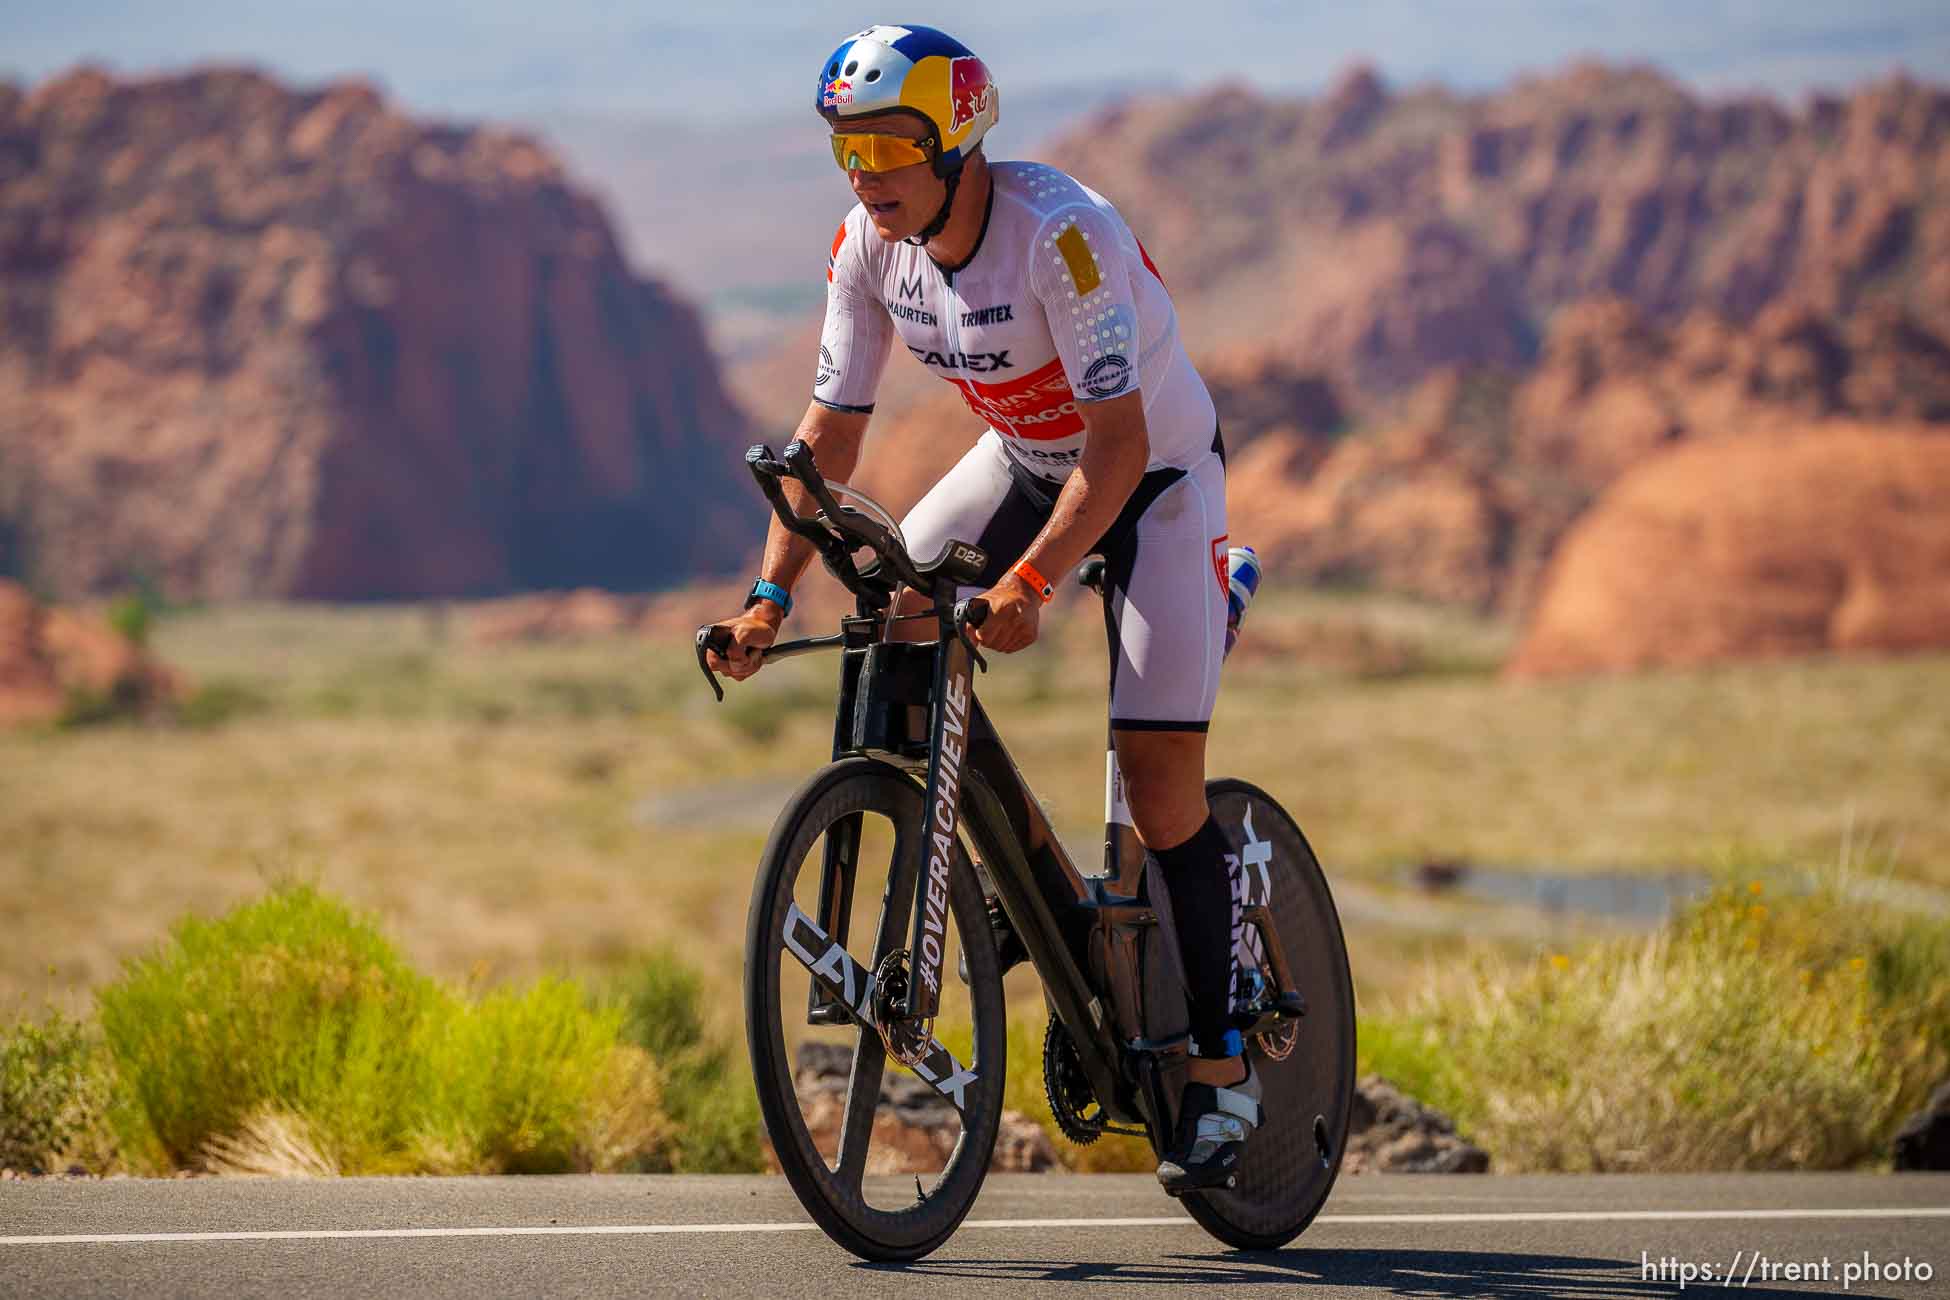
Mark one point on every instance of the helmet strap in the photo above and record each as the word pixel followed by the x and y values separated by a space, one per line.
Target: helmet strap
pixel 940 221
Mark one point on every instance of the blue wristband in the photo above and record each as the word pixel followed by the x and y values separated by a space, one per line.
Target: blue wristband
pixel 772 591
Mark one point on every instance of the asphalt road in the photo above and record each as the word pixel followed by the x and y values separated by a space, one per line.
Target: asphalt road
pixel 1381 1234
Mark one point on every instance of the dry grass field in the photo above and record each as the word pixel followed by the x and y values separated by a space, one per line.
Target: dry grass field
pixel 515 809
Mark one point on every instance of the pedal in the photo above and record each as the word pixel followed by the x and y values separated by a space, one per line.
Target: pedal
pixel 828 1013
pixel 1292 1005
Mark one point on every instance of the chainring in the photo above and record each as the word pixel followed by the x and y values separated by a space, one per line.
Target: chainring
pixel 1070 1094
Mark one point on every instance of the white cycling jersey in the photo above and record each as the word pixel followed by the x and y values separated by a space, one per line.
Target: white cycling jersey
pixel 1058 305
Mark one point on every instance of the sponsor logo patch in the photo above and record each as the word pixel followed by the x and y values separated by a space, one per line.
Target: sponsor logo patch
pixel 1038 405
pixel 988 316
pixel 969 92
pixel 838 91
pixel 827 370
pixel 901 311
pixel 1107 376
pixel 975 361
pixel 1078 261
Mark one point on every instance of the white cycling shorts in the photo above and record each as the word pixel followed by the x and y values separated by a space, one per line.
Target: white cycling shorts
pixel 1165 566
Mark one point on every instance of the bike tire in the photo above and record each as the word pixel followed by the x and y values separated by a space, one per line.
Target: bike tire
pixel 836 1196
pixel 1290 1164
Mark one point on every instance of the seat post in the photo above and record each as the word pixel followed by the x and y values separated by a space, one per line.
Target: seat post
pixel 1123 853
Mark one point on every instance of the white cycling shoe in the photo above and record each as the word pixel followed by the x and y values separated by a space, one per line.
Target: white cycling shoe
pixel 1214 1124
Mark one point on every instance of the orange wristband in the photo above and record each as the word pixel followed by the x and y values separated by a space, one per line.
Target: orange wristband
pixel 1037 582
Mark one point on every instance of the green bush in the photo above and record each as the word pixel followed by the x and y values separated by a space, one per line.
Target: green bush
pixel 291 1002
pixel 292 1021
pixel 1757 1030
pixel 707 1090
pixel 504 1084
pixel 52 1090
pixel 84 706
pixel 133 615
pixel 222 700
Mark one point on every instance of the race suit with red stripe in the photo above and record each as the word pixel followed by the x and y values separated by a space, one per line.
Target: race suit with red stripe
pixel 1058 305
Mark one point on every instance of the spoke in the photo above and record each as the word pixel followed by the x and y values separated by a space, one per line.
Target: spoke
pixel 897 901
pixel 836 893
pixel 862 1099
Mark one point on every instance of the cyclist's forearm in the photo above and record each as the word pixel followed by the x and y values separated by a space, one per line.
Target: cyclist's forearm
pixel 1108 472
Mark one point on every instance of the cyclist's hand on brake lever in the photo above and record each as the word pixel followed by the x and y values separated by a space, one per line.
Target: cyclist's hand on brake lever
pixel 751 631
pixel 1014 614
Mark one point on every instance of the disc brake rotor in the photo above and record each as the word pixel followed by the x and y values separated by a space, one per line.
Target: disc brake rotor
pixel 906 1039
pixel 1278 1043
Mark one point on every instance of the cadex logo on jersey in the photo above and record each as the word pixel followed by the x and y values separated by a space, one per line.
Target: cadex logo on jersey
pixel 969 90
pixel 980 361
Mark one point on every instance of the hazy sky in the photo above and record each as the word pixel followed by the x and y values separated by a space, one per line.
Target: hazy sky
pixel 514 58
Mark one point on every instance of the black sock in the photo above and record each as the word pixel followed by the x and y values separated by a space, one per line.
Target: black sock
pixel 1201 903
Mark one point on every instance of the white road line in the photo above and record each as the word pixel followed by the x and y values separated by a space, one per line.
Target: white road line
pixel 1176 1221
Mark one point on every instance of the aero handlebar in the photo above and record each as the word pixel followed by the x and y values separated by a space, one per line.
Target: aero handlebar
pixel 836 532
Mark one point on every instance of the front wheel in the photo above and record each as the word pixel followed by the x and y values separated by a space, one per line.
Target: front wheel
pixel 829 919
pixel 1307 1077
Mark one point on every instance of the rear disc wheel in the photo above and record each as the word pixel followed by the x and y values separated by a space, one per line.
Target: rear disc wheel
pixel 1292 1159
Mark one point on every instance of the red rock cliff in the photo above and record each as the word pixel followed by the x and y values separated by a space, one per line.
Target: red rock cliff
pixel 1383 235
pixel 256 342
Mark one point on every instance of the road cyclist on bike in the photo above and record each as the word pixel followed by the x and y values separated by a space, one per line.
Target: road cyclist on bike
pixel 1027 291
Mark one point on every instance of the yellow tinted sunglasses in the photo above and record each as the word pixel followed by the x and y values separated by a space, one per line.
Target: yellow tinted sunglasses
pixel 878 153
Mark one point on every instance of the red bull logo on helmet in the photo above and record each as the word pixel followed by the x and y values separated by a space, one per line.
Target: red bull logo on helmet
pixel 969 91
pixel 838 91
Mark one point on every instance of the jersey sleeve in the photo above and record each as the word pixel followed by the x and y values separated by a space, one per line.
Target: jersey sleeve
pixel 1080 273
pixel 854 342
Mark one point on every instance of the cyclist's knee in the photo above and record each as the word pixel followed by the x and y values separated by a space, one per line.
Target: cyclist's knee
pixel 1164 783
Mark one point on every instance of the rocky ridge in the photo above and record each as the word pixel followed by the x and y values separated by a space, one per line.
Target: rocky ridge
pixel 1380 235
pixel 264 342
pixel 1834 538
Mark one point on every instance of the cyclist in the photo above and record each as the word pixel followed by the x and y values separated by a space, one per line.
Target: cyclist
pixel 1028 293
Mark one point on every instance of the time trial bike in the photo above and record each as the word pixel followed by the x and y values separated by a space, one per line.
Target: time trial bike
pixel 890 873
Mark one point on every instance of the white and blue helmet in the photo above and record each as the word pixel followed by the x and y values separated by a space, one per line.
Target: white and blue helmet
pixel 915 70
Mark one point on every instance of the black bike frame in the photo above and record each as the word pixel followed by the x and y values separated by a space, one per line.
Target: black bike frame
pixel 972 782
pixel 913 704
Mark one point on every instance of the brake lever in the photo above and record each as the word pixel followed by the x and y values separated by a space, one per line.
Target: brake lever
pixel 969 613
pixel 712 636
